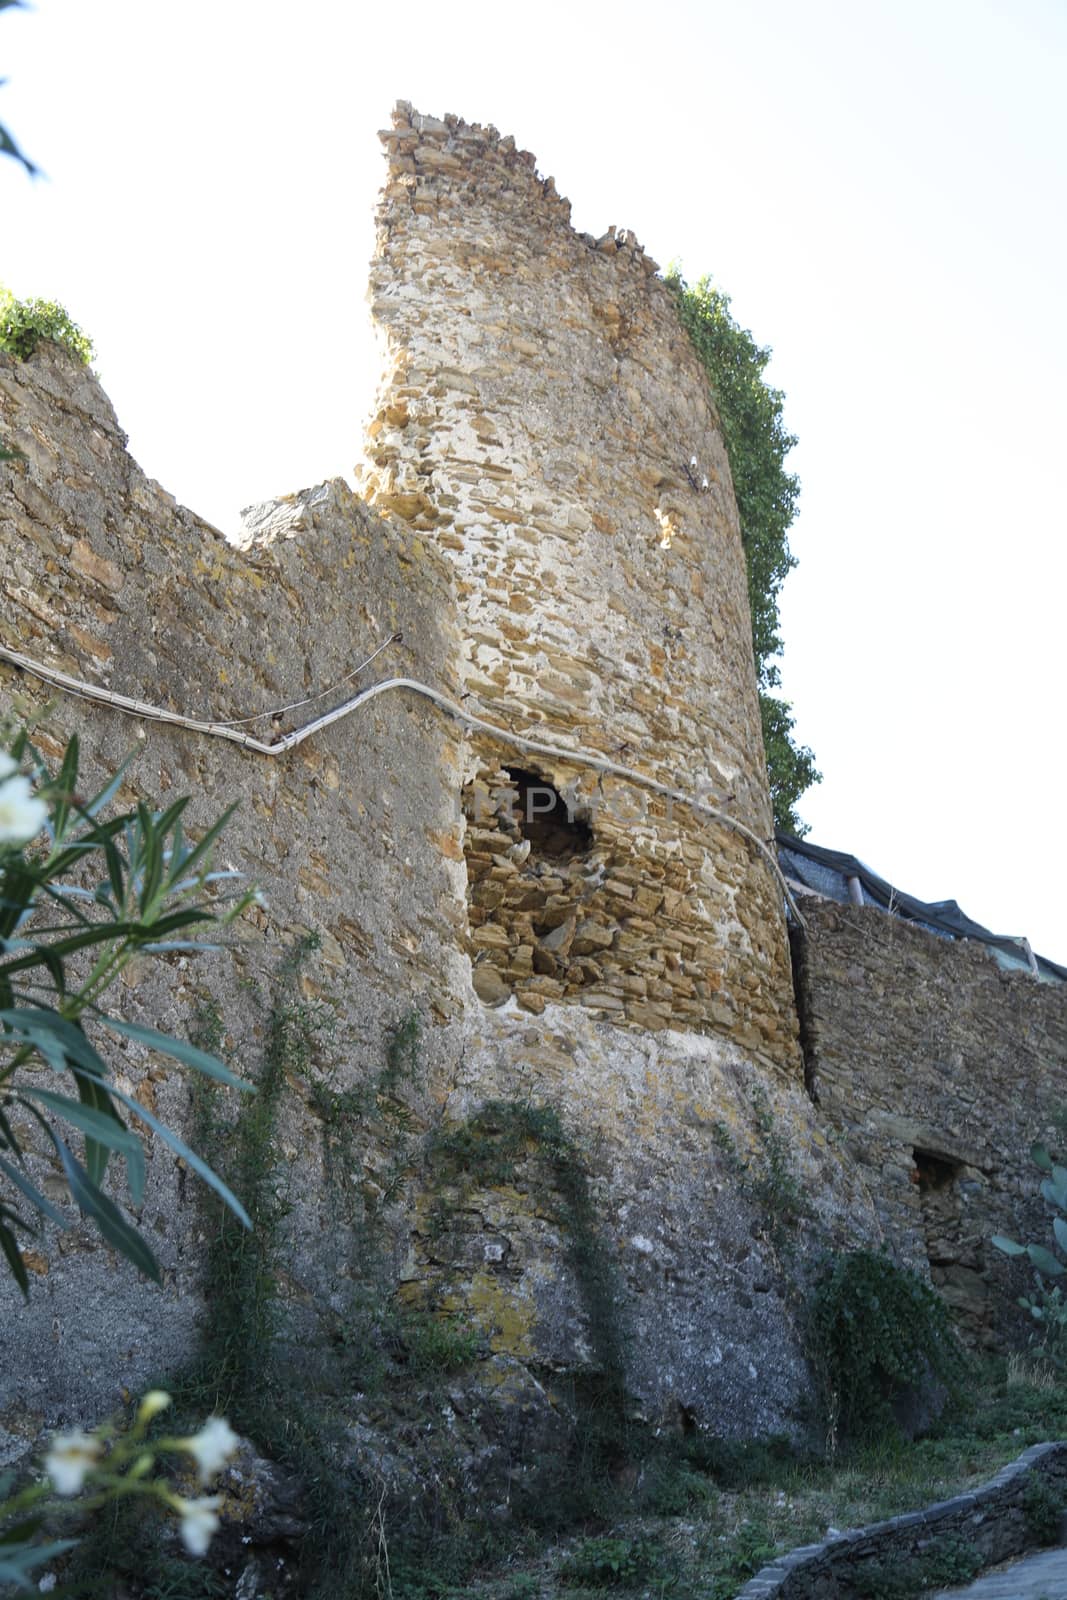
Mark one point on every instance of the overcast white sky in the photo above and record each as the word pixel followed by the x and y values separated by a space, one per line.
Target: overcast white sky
pixel 879 184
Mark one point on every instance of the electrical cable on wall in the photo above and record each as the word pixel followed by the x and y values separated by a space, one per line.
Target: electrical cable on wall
pixel 232 731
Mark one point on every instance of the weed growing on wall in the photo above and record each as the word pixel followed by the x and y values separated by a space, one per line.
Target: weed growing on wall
pixel 510 1142
pixel 24 324
pixel 362 1540
pixel 489 1151
pixel 767 1177
pixel 1043 1508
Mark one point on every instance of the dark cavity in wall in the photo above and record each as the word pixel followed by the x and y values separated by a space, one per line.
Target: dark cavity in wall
pixel 932 1172
pixel 543 817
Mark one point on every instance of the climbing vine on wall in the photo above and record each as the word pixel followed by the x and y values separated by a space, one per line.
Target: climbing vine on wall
pixel 757 443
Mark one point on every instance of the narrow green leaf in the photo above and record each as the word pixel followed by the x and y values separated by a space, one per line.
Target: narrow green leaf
pixel 1039 1154
pixel 180 1148
pixel 16 1563
pixel 102 933
pixel 65 788
pixel 107 793
pixel 168 821
pixel 92 1093
pixel 42 1040
pixel 188 917
pixel 114 871
pixel 32 1194
pixel 110 1221
pixel 12 1255
pixel 8 1141
pixel 169 945
pixel 180 1050
pixel 1008 1246
pixel 32 1020
pixel 1059 1228
pixel 107 1130
pixel 153 861
pixel 200 850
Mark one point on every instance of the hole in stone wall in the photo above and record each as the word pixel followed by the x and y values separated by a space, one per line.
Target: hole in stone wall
pixel 932 1172
pixel 543 817
pixel 687 1420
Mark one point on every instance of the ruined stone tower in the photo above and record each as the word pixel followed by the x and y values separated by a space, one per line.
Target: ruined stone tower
pixel 553 544
pixel 544 420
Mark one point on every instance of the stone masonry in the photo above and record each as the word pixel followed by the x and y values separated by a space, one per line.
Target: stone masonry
pixel 352 837
pixel 938 1070
pixel 552 532
pixel 544 421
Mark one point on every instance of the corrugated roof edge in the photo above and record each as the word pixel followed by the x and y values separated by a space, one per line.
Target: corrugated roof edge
pixel 943 915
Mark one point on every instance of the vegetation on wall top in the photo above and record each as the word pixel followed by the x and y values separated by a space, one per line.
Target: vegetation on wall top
pixel 757 443
pixel 24 323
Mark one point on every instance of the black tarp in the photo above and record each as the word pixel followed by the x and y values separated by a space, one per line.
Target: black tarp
pixel 828 872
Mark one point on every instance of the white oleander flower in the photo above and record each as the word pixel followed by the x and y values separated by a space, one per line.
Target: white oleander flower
pixel 155 1401
pixel 22 815
pixel 200 1522
pixel 8 765
pixel 71 1456
pixel 212 1447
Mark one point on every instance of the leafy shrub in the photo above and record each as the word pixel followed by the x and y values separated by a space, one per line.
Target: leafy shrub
pixel 24 323
pixel 749 1549
pixel 944 1562
pixel 606 1563
pixel 671 1488
pixel 74 912
pixel 743 1463
pixel 1047 1306
pixel 878 1332
pixel 1043 1509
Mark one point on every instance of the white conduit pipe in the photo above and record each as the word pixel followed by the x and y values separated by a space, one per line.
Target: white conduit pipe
pixel 289 741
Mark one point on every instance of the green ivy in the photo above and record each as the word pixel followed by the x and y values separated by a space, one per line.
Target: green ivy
pixel 24 323
pixel 877 1330
pixel 757 443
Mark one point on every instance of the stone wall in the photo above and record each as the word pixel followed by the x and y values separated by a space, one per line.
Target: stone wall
pixel 937 1070
pixel 991 1522
pixel 356 836
pixel 549 555
pixel 353 836
pixel 543 419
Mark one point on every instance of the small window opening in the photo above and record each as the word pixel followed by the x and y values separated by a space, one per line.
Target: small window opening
pixel 544 818
pixel 687 1421
pixel 932 1172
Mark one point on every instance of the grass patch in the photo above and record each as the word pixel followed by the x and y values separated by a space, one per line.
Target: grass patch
pixel 755 1500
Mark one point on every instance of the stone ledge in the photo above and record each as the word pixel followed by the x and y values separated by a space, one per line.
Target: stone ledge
pixel 830 1570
